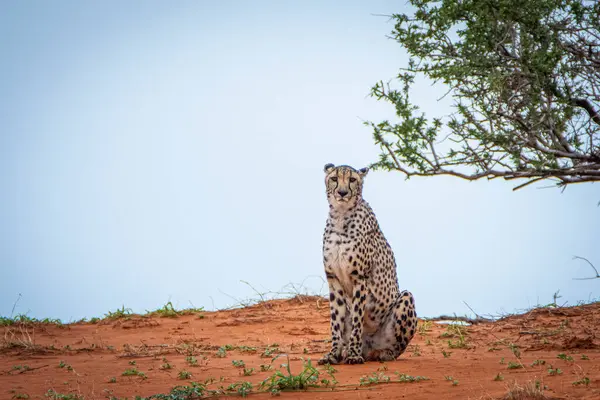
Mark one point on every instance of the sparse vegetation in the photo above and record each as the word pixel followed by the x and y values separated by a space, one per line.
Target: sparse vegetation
pixel 241 388
pixel 376 377
pixel 279 381
pixel 169 311
pixel 565 357
pixel 134 372
pixel 498 377
pixel 424 327
pixel 409 378
pixel 585 381
pixel 183 374
pixel 192 361
pixel 53 395
pixel 221 353
pixel 530 391
pixel 416 351
pixel 451 380
pixel 514 365
pixel 119 313
pixel 554 371
pixel 238 363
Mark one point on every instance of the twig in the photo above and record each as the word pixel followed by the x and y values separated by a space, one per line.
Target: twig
pixel 591 265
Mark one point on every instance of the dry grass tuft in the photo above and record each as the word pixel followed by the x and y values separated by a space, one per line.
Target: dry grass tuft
pixel 532 390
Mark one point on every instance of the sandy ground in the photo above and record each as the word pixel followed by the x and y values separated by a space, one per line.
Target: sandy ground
pixel 88 360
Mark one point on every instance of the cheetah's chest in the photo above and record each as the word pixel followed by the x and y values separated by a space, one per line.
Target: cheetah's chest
pixel 337 251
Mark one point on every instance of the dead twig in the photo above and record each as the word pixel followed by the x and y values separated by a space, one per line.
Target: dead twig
pixel 591 265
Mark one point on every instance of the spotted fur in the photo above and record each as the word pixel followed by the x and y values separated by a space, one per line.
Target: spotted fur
pixel 370 318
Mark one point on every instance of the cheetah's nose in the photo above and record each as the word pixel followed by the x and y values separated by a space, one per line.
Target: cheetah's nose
pixel 342 193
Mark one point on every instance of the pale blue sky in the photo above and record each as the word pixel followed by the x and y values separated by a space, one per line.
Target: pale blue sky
pixel 154 151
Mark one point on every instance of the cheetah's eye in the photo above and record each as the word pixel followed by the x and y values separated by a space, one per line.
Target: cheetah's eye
pixel 333 179
pixel 352 180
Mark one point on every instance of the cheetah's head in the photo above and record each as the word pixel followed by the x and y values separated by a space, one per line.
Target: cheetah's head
pixel 344 185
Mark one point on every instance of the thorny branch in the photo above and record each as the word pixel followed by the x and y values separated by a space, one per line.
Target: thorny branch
pixel 525 89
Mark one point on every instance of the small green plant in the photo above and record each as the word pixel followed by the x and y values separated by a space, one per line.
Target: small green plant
pixel 113 380
pixel 502 361
pixel 408 378
pixel 375 378
pixel 265 367
pixel 498 377
pixel 247 349
pixel 585 381
pixel 269 351
pixel 554 371
pixel 330 369
pixel 21 368
pixel 166 366
pixel 279 381
pixel 446 354
pixel 514 365
pixel 248 371
pixel 243 389
pixel 417 351
pixel 428 342
pixel 238 363
pixel 119 313
pixel 565 357
pixel 134 372
pixel 221 353
pixel 54 395
pixel 20 396
pixel 448 377
pixel 494 349
pixel 132 362
pixel 166 311
pixel 192 361
pixel 183 374
pixel 538 362
pixel 62 364
pixel 454 383
pixel 424 327
pixel 193 390
pixel 584 357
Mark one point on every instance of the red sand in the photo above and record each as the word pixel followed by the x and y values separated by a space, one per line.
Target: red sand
pixel 101 351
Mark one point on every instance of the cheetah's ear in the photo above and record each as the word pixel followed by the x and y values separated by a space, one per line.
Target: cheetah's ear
pixel 328 168
pixel 363 172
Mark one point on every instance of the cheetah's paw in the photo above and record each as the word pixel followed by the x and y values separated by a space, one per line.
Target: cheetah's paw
pixel 355 360
pixel 329 358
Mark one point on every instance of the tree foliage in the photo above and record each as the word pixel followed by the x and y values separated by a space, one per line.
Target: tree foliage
pixel 524 77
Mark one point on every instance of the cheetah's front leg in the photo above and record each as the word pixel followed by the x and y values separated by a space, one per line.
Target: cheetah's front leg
pixel 337 306
pixel 357 312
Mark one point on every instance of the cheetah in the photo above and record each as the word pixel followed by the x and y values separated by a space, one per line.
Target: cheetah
pixel 371 319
